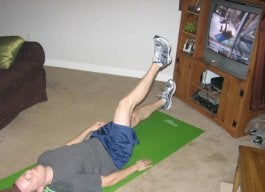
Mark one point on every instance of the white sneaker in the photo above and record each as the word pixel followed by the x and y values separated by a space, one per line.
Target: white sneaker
pixel 162 50
pixel 167 94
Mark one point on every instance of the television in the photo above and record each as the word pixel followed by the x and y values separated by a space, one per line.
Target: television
pixel 231 35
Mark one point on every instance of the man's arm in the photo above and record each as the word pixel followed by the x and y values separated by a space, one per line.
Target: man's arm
pixel 85 133
pixel 117 176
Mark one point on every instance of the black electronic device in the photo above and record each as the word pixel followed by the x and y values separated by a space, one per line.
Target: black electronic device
pixel 217 83
pixel 207 101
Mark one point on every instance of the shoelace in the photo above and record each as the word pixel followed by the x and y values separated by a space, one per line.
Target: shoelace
pixel 160 51
pixel 162 95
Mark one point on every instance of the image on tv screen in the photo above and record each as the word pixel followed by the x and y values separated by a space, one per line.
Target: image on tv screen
pixel 232 33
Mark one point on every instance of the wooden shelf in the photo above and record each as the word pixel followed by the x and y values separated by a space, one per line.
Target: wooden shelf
pixel 190 34
pixel 207 89
pixel 192 12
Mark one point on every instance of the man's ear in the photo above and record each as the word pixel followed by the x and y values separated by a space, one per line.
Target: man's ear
pixel 40 189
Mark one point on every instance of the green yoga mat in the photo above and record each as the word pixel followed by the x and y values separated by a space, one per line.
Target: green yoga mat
pixel 159 136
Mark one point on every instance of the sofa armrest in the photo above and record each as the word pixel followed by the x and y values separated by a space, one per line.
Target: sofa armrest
pixel 31 51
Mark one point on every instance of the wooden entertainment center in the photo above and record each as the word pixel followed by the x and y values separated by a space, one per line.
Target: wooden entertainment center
pixel 233 111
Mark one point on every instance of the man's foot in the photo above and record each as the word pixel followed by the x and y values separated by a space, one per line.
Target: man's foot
pixel 166 95
pixel 162 51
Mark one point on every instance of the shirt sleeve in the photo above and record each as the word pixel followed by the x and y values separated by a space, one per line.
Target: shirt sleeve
pixel 87 182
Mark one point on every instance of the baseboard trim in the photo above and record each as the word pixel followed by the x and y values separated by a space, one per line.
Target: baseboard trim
pixel 102 69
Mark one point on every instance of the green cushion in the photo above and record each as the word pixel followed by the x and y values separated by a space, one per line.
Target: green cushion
pixel 9 47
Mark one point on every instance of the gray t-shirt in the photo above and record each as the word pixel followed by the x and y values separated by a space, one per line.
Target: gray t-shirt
pixel 77 168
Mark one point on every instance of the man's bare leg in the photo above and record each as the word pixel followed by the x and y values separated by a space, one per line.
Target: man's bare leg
pixel 164 102
pixel 161 59
pixel 144 112
pixel 123 113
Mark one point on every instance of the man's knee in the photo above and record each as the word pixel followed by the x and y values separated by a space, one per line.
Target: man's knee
pixel 126 103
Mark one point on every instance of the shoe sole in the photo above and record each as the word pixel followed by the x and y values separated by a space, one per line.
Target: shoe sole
pixel 168 45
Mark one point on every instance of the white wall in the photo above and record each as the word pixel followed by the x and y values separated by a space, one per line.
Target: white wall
pixel 109 36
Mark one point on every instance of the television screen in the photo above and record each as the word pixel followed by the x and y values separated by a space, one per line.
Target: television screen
pixel 232 32
pixel 231 35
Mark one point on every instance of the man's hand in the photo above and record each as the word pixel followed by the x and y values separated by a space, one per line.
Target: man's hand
pixel 143 164
pixel 97 125
pixel 85 133
pixel 119 175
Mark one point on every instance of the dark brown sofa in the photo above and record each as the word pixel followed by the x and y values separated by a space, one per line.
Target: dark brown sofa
pixel 24 83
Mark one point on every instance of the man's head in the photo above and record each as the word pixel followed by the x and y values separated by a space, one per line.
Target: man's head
pixel 32 180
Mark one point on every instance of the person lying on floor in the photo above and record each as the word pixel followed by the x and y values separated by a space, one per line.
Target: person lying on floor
pixel 87 165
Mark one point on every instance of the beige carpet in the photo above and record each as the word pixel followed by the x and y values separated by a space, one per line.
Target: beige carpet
pixel 77 99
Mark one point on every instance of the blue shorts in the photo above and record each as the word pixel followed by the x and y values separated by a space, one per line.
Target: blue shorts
pixel 118 141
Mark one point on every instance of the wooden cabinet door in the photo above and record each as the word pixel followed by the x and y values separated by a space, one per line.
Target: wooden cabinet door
pixel 230 103
pixel 182 76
